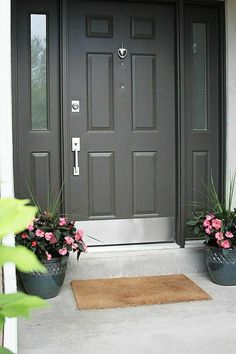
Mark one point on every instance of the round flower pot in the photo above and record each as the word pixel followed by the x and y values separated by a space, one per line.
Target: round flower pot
pixel 221 265
pixel 46 285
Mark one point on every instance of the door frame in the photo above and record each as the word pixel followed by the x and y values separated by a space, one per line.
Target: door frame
pixel 180 99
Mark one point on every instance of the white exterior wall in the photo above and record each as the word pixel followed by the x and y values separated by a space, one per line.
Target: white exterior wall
pixel 231 88
pixel 6 149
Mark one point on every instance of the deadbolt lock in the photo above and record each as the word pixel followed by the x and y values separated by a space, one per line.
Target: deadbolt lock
pixel 75 106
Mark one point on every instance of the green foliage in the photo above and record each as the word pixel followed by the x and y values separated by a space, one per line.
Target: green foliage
pixel 24 259
pixel 18 304
pixel 4 351
pixel 51 236
pixel 217 223
pixel 53 202
pixel 15 215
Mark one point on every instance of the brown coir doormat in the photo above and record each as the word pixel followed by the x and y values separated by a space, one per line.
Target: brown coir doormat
pixel 124 292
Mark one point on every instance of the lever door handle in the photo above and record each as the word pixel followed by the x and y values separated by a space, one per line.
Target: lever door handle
pixel 76 150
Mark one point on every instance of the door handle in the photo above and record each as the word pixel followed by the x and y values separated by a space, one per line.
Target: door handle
pixel 76 150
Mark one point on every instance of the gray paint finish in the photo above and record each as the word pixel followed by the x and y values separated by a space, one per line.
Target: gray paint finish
pixel 202 96
pixel 127 120
pixel 39 156
pixel 127 117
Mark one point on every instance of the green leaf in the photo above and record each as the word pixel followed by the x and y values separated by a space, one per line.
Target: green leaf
pixel 19 304
pixel 5 351
pixel 2 321
pixel 15 215
pixel 192 222
pixel 63 260
pixel 24 259
pixel 57 233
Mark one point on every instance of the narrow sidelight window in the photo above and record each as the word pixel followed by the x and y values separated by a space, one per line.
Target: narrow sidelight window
pixel 199 76
pixel 39 105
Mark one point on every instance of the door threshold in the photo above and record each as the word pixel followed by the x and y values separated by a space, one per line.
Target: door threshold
pixel 140 247
pixel 144 247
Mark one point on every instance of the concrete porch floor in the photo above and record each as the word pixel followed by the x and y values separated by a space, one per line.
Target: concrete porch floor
pixel 184 328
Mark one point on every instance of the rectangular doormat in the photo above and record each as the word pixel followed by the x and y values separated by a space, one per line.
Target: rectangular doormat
pixel 135 291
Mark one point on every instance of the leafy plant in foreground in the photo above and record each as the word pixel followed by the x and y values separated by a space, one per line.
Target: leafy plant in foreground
pixel 14 216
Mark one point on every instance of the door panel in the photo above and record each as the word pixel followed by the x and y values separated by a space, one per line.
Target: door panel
pixel 37 147
pixel 202 102
pixel 126 121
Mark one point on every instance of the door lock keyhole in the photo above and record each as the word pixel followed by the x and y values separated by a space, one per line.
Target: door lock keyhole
pixel 75 106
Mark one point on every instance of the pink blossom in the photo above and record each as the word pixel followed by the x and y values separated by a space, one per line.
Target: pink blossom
pixel 62 221
pixel 48 235
pixel 74 246
pixel 208 231
pixel 206 223
pixel 24 235
pixel 229 234
pixel 219 236
pixel 39 233
pixel 30 227
pixel 62 251
pixel 226 244
pixel 217 223
pixel 49 256
pixel 53 239
pixel 79 234
pixel 69 240
pixel 210 217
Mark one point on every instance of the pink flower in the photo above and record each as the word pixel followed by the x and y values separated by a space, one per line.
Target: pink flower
pixel 210 217
pixel 48 235
pixel 62 251
pixel 24 235
pixel 30 227
pixel 206 223
pixel 208 231
pixel 69 240
pixel 217 223
pixel 229 234
pixel 219 236
pixel 53 239
pixel 49 256
pixel 79 234
pixel 225 244
pixel 74 246
pixel 62 221
pixel 39 233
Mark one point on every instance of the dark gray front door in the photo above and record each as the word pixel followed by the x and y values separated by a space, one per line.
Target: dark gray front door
pixel 125 120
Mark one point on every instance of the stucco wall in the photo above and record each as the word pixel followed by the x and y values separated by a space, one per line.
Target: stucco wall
pixel 231 87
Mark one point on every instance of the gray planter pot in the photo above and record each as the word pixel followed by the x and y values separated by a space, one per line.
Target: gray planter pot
pixel 49 284
pixel 221 267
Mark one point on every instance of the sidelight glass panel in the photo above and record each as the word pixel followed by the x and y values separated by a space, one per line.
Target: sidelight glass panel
pixel 39 109
pixel 199 76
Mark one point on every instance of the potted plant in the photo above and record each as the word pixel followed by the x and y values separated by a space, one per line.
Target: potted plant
pixel 51 237
pixel 217 224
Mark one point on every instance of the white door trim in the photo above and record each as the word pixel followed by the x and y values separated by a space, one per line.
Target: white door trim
pixel 6 154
